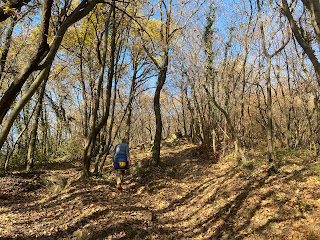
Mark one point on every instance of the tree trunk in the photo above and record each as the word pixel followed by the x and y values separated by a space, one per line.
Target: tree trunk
pixel 131 98
pixel 157 110
pixel 45 132
pixel 269 87
pixel 43 47
pixel 269 112
pixel 106 148
pixel 6 48
pixel 94 130
pixel 10 95
pixel 184 116
pixel 17 4
pixel 24 99
pixel 8 156
pixel 210 76
pixel 200 120
pixel 184 90
pixel 34 131
pixel 298 34
pixel 84 96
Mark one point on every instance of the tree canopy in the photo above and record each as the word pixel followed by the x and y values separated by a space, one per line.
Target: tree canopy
pixel 227 74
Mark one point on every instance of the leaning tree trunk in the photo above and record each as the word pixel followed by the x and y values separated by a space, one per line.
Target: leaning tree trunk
pixel 15 5
pixel 6 47
pixel 24 99
pixel 9 155
pixel 298 32
pixel 43 47
pixel 5 103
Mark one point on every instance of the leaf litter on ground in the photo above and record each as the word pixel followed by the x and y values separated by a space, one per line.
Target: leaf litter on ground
pixel 187 196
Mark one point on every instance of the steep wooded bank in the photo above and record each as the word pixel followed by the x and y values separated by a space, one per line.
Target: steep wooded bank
pixel 187 196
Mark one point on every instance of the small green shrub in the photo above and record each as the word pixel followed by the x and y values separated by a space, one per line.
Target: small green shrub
pixel 72 148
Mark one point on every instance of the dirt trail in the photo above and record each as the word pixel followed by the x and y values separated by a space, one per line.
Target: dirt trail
pixel 186 197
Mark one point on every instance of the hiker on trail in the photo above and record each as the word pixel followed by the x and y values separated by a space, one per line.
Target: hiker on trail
pixel 121 161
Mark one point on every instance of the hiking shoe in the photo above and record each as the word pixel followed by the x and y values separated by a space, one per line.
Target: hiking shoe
pixel 119 187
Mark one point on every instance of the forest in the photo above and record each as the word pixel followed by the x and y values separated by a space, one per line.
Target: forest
pixel 223 92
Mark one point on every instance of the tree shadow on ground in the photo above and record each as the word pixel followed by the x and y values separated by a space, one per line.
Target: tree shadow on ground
pixel 178 165
pixel 224 222
pixel 59 207
pixel 234 201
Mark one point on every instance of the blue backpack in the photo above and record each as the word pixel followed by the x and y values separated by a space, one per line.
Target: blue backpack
pixel 121 162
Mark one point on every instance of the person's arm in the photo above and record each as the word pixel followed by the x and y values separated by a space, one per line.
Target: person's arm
pixel 128 155
pixel 113 155
pixel 114 152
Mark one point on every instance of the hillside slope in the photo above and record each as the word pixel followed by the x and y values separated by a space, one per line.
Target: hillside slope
pixel 186 197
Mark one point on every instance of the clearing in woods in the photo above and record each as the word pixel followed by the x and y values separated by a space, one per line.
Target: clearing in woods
pixel 187 197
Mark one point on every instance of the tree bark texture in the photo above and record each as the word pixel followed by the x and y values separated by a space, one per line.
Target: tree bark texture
pixel 87 153
pixel 6 48
pixel 157 110
pixel 313 6
pixel 131 98
pixel 13 4
pixel 5 103
pixel 34 131
pixel 43 47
